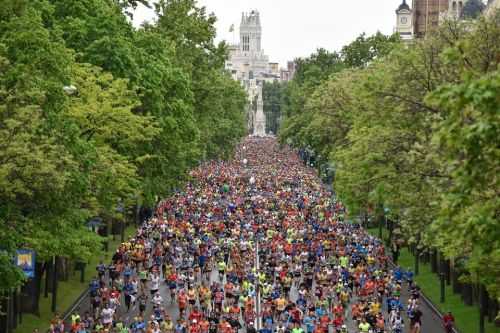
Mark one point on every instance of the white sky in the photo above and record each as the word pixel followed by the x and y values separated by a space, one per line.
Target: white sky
pixel 293 28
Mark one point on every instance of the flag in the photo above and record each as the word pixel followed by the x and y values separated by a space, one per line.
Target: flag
pixel 231 28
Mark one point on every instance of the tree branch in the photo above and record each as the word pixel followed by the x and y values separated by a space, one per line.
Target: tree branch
pixel 407 100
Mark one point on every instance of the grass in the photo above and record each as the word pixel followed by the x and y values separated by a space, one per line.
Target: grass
pixel 67 291
pixel 466 316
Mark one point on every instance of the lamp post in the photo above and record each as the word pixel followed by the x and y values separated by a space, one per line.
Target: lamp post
pixel 318 162
pixel 69 90
pixel 442 282
pixel 383 220
pixel 120 208
pixel 380 219
pixel 54 284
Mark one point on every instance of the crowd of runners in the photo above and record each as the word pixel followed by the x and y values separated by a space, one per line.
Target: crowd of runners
pixel 255 244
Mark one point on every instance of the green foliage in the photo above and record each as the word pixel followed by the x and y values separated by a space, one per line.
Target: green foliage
pixel 149 104
pixel 219 114
pixel 364 49
pixel 313 96
pixel 473 8
pixel 470 136
pixel 272 94
pixel 413 128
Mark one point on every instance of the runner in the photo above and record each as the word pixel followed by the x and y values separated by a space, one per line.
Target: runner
pixel 316 272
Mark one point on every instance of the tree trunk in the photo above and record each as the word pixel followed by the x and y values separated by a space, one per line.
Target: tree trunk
pixel 15 308
pixel 434 261
pixel 108 233
pixel 467 293
pixel 3 316
pixel 63 269
pixel 48 277
pixel 447 272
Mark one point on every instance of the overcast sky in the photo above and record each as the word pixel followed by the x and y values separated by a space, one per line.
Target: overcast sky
pixel 294 28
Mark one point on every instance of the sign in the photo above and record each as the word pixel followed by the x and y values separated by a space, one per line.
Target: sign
pixel 25 260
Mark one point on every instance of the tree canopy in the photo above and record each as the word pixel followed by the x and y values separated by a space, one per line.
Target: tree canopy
pixel 148 105
pixel 413 128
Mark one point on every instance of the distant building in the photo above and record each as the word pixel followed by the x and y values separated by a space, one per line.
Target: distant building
pixel 288 73
pixel 493 5
pixel 404 23
pixel 250 65
pixel 247 60
pixel 274 67
pixel 425 16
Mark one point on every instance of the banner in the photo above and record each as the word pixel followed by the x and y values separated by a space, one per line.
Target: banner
pixel 25 260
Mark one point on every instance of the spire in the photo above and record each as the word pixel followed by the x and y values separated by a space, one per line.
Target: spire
pixel 403 6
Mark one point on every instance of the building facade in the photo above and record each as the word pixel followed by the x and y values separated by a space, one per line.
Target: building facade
pixel 247 60
pixel 493 5
pixel 288 73
pixel 428 14
pixel 404 22
pixel 250 65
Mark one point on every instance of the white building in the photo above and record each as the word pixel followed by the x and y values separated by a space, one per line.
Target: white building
pixel 493 5
pixel 247 59
pixel 249 65
pixel 404 23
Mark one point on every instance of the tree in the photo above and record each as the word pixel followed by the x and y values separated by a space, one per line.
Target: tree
pixel 192 32
pixel 37 171
pixel 473 8
pixel 470 135
pixel 416 130
pixel 364 50
pixel 272 96
pixel 149 104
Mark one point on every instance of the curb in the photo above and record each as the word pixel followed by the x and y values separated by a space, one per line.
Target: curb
pixel 429 303
pixel 434 309
pixel 75 305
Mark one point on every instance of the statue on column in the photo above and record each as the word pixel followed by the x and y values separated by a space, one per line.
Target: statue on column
pixel 259 128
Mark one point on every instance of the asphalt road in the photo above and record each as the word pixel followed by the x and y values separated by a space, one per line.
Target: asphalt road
pixel 431 323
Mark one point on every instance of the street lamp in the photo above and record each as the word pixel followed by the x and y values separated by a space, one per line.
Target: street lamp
pixel 70 90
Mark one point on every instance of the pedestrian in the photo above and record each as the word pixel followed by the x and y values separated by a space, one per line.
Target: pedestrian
pixel 448 322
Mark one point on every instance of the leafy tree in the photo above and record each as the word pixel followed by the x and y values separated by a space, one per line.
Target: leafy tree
pixel 193 32
pixel 415 129
pixel 316 68
pixel 470 136
pixel 473 8
pixel 305 93
pixel 364 50
pixel 149 104
pixel 272 98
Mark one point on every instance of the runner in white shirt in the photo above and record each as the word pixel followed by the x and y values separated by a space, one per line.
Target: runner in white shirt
pixel 157 299
pixel 107 315
pixel 155 283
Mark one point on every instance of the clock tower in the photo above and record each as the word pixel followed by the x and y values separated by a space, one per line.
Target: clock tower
pixel 404 24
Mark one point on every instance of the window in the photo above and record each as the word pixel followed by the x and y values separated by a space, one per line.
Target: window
pixel 246 43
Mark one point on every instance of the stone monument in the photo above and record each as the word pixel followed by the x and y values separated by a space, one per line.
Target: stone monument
pixel 259 128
